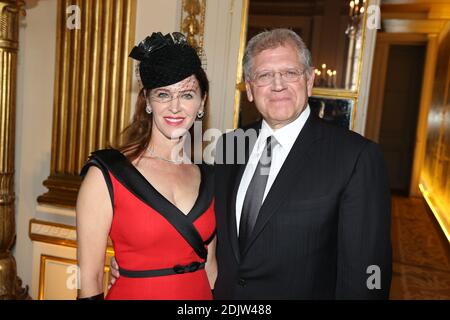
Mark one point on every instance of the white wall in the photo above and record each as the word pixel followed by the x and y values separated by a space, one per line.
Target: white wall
pixel 33 121
pixel 221 42
pixel 153 16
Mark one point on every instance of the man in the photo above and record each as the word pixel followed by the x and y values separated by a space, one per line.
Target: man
pixel 318 225
pixel 304 213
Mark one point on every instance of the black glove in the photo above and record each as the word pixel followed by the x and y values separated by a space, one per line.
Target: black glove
pixel 99 296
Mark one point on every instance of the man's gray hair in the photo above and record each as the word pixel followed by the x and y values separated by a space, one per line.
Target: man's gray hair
pixel 272 39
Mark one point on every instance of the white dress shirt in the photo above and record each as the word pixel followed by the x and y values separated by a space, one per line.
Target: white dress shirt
pixel 285 137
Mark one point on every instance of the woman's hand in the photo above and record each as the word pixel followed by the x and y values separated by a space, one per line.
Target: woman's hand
pixel 114 269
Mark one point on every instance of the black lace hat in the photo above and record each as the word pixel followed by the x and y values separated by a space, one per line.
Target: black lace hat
pixel 165 60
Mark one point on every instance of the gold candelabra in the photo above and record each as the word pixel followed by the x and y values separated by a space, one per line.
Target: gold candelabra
pixel 325 77
pixel 356 13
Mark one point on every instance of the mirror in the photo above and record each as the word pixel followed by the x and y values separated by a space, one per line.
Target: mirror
pixel 337 111
pixel 332 30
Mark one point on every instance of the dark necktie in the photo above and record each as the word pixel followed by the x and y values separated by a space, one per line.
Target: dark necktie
pixel 255 193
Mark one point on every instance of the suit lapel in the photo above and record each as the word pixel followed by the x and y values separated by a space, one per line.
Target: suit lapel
pixel 237 172
pixel 287 176
pixel 232 225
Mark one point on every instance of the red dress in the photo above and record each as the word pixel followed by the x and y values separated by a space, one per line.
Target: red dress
pixel 145 236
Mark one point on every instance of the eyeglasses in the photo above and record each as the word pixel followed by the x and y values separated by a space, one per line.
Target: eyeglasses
pixel 266 77
pixel 163 96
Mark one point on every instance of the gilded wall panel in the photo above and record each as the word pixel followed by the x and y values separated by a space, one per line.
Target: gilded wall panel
pixel 92 87
pixel 435 176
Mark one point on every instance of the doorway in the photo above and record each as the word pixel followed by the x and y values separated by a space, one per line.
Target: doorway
pixel 401 100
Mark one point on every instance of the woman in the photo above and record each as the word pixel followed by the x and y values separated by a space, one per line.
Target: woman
pixel 156 207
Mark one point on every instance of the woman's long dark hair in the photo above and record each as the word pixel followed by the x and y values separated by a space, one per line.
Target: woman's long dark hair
pixel 136 136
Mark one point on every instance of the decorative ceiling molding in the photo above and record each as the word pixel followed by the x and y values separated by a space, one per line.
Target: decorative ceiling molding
pixel 413 2
pixel 415 16
pixel 292 7
pixel 413 26
pixel 440 12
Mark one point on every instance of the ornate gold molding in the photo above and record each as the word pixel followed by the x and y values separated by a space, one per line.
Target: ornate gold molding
pixel 42 267
pixel 10 284
pixel 57 234
pixel 193 22
pixel 437 208
pixel 92 89
pixel 70 262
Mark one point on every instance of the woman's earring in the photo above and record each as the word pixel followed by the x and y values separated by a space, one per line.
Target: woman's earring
pixel 200 114
pixel 148 109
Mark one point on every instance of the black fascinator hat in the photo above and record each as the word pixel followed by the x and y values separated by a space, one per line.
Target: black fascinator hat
pixel 165 60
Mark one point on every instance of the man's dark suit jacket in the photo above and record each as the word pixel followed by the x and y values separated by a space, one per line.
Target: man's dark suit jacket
pixel 324 223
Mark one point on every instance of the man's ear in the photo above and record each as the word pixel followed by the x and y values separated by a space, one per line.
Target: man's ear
pixel 310 81
pixel 248 89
